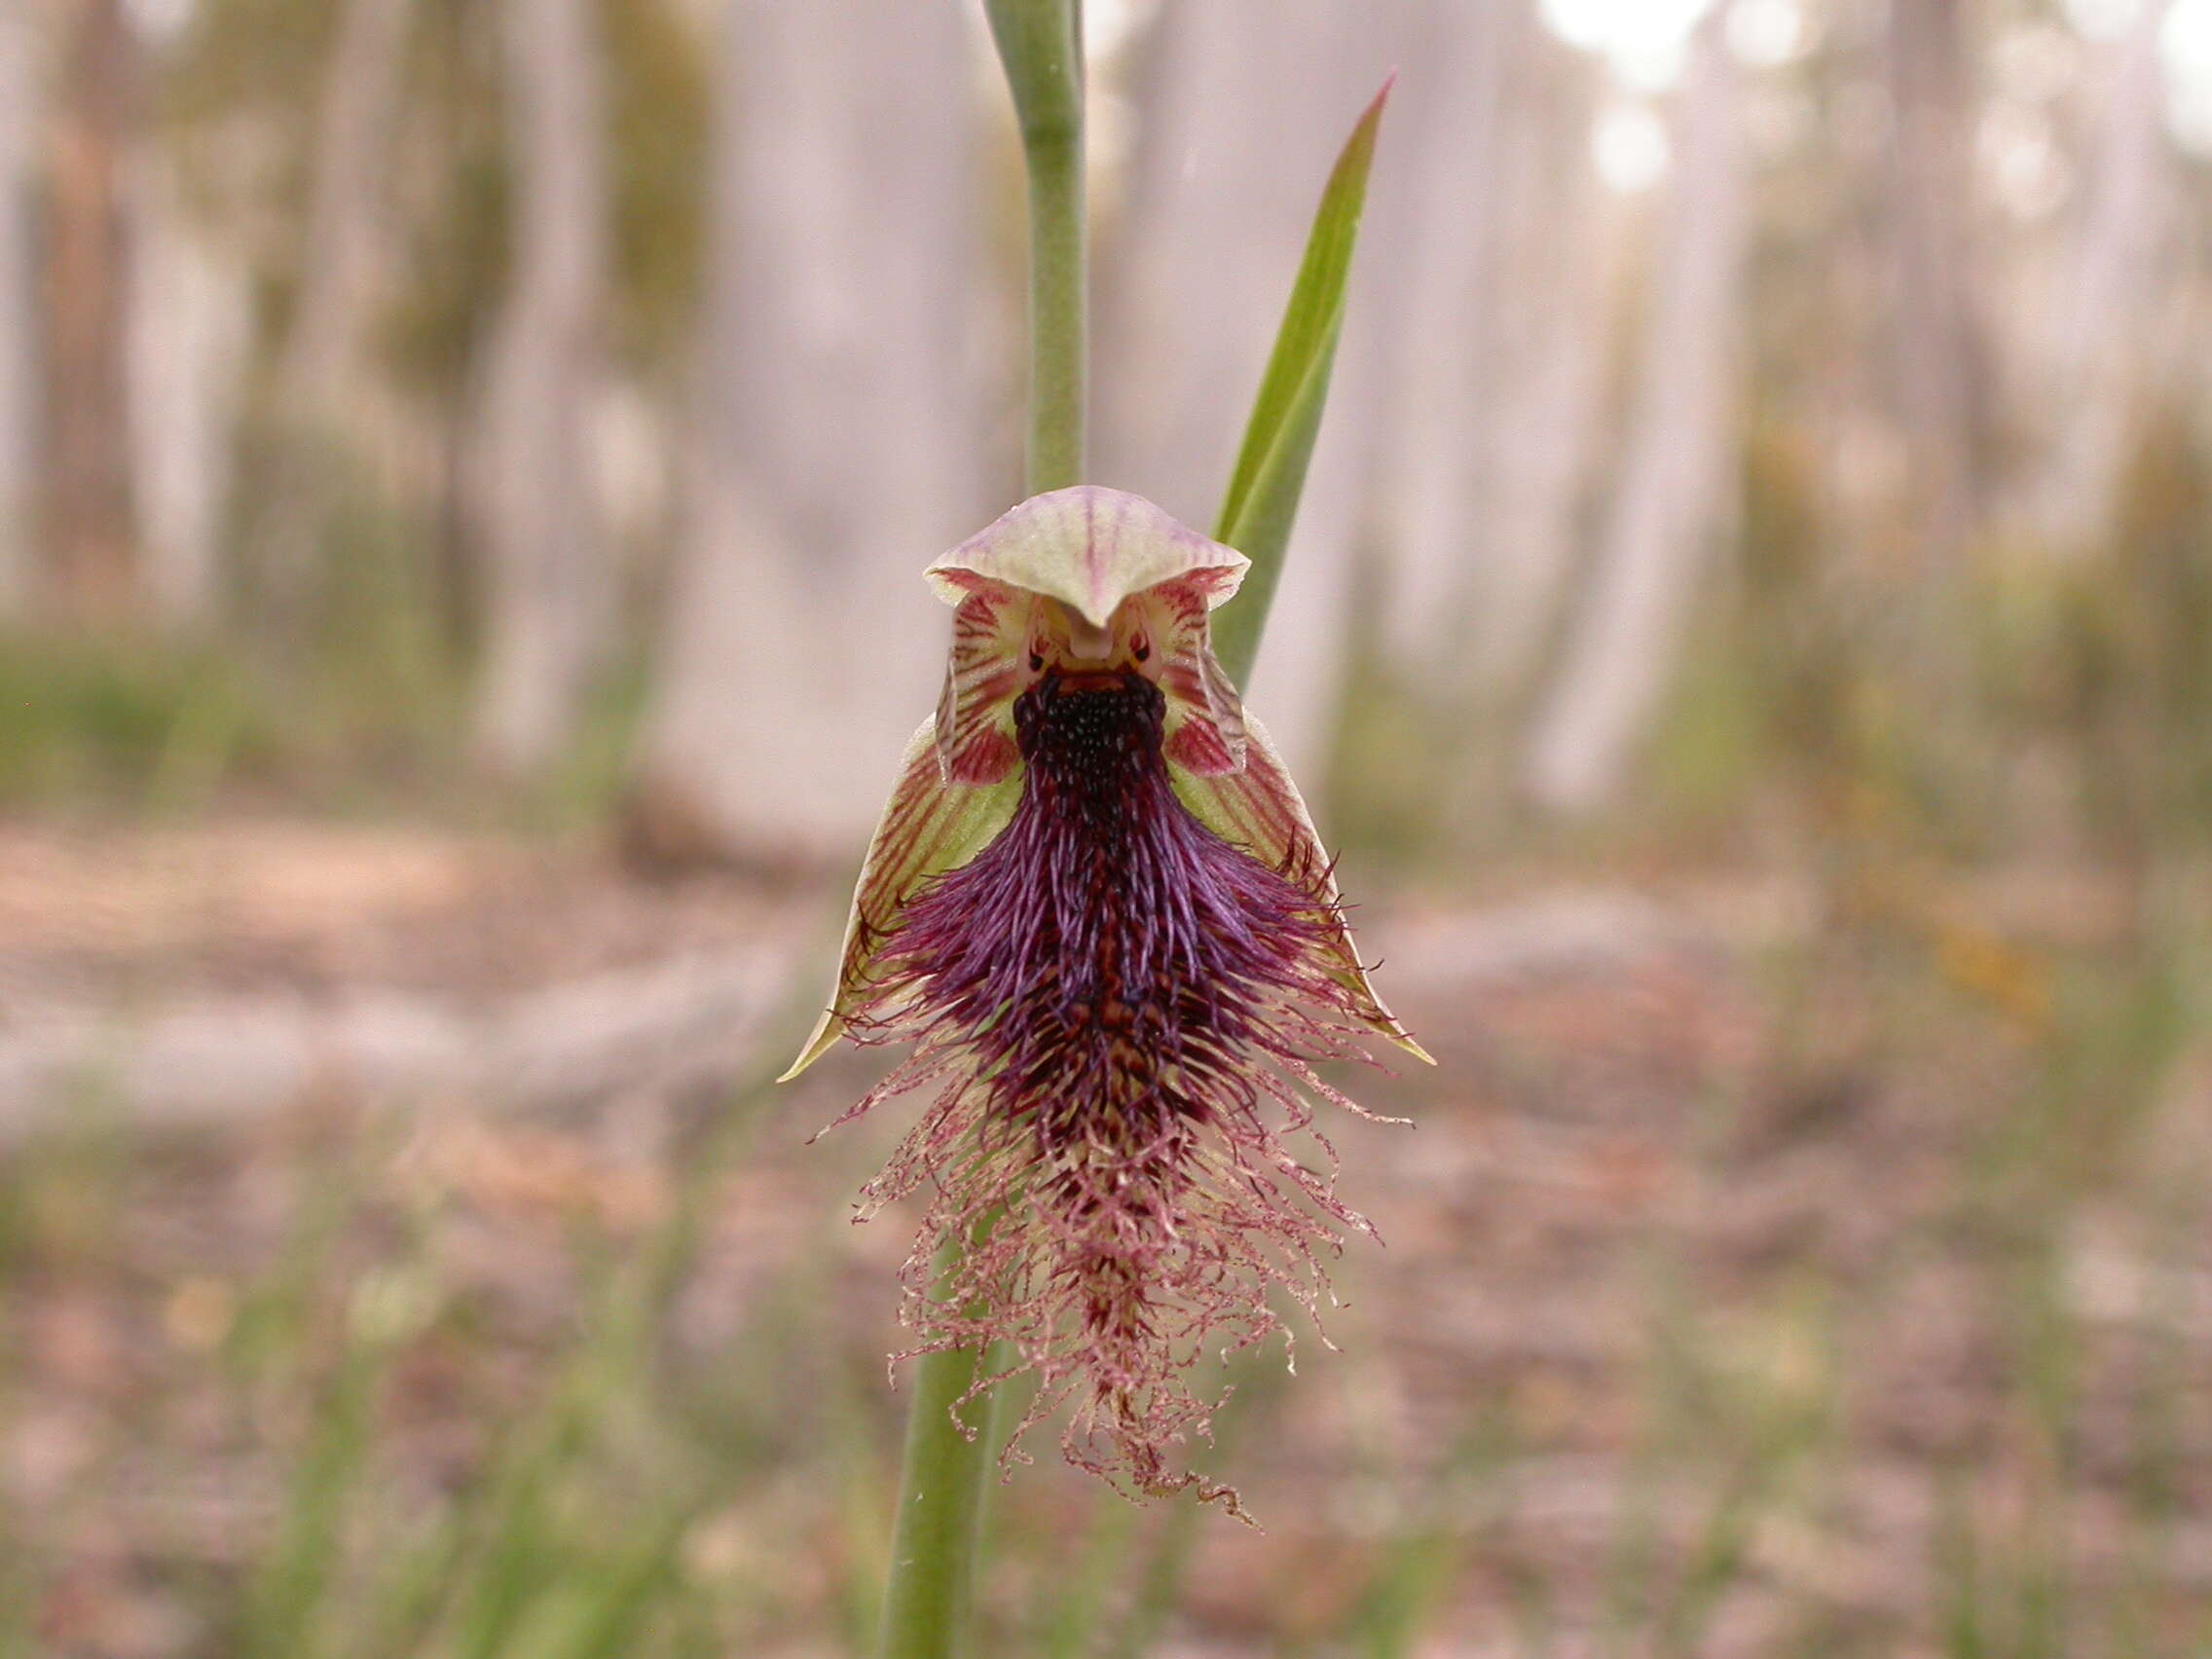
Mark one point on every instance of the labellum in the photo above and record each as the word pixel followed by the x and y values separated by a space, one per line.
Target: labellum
pixel 1097 910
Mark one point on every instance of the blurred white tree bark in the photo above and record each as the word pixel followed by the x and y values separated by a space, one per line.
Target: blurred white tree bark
pixel 1534 438
pixel 191 328
pixel 2105 329
pixel 20 111
pixel 1620 652
pixel 1498 335
pixel 550 589
pixel 1935 330
pixel 341 256
pixel 341 262
pixel 1445 273
pixel 837 430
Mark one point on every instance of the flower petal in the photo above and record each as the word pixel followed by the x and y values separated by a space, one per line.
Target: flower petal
pixel 1258 808
pixel 1205 716
pixel 1090 549
pixel 929 824
pixel 975 712
pixel 1076 563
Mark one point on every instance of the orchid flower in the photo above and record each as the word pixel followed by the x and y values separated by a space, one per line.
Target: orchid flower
pixel 1097 910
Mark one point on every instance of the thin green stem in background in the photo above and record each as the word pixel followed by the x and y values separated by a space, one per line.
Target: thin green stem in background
pixel 1262 500
pixel 929 1599
pixel 1040 42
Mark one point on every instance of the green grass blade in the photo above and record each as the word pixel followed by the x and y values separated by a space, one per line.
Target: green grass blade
pixel 1262 503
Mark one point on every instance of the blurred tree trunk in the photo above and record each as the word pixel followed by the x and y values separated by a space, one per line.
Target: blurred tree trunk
pixel 1938 350
pixel 836 434
pixel 2105 329
pixel 1247 103
pixel 1620 652
pixel 1470 335
pixel 89 529
pixel 1503 555
pixel 19 106
pixel 190 336
pixel 550 591
pixel 341 256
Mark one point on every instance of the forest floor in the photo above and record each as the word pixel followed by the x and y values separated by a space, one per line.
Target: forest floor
pixel 404 1253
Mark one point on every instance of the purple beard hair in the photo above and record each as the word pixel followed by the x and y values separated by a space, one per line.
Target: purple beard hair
pixel 1108 996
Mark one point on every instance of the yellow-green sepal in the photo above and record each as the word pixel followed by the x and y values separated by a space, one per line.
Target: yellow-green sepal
pixel 1258 808
pixel 931 824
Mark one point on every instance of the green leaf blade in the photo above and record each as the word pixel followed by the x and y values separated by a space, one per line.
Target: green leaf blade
pixel 1262 502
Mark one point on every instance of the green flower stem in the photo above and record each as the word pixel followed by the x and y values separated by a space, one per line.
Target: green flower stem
pixel 930 1595
pixel 1040 43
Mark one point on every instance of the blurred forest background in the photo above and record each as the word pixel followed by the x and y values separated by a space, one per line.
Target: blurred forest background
pixel 464 470
pixel 401 400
